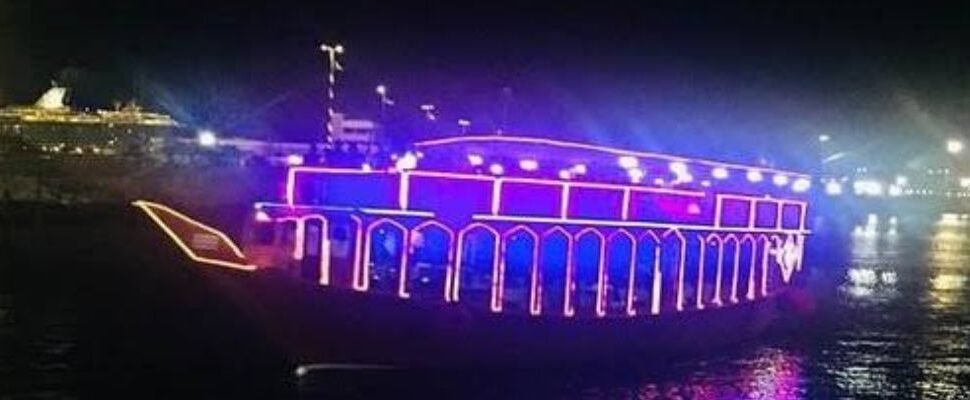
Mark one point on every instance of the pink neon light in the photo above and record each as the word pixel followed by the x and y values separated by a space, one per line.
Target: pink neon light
pixel 496 196
pixel 737 260
pixel 584 146
pixel 657 273
pixel 627 224
pixel 451 241
pixel 564 202
pixel 291 176
pixel 402 266
pixel 567 294
pixel 702 262
pixel 765 248
pixel 625 211
pixel 358 239
pixel 403 191
pixel 713 238
pixel 751 272
pixel 151 209
pixel 496 239
pixel 601 269
pixel 498 282
pixel 324 243
pixel 631 275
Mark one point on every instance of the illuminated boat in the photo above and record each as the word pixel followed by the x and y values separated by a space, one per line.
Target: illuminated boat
pixel 491 249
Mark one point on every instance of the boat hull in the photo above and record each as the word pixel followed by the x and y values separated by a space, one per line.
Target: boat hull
pixel 319 325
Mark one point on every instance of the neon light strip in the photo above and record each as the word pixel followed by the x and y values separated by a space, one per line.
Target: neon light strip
pixel 631 287
pixel 700 273
pixel 766 246
pixel 496 196
pixel 735 266
pixel 450 260
pixel 584 146
pixel 718 274
pixel 358 240
pixel 496 239
pixel 300 243
pixel 657 276
pixel 365 210
pixel 611 223
pixel 564 202
pixel 149 207
pixel 751 268
pixel 403 191
pixel 406 213
pixel 625 212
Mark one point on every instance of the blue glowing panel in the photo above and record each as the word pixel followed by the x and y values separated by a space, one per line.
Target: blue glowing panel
pixel 669 208
pixel 735 213
pixel 449 196
pixel 347 190
pixel 594 203
pixel 766 214
pixel 791 216
pixel 531 199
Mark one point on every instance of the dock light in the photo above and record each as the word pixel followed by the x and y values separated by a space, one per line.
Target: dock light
pixel 578 169
pixel 895 191
pixel 824 138
pixel 564 174
pixel 833 188
pixel 780 180
pixel 381 90
pixel 628 162
pixel 719 173
pixel 964 182
pixel 496 169
pixel 475 160
pixel 207 138
pixel 801 185
pixel 755 176
pixel 636 174
pixel 954 146
pixel 294 159
pixel 528 164
pixel 406 162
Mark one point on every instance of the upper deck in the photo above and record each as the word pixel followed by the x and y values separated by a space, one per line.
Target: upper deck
pixel 522 179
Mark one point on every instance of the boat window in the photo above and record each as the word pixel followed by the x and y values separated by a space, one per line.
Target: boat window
pixel 520 248
pixel 477 262
pixel 429 261
pixel 586 272
pixel 385 258
pixel 619 255
pixel 553 259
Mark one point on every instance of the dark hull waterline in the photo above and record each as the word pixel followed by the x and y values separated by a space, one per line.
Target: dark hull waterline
pixel 316 325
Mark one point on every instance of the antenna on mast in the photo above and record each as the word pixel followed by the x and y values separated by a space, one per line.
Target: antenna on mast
pixel 333 66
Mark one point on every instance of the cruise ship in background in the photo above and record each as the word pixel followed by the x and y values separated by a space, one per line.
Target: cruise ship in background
pixel 53 153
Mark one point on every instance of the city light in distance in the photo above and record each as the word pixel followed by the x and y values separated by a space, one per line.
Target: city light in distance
pixel 381 90
pixel 833 188
pixel 867 188
pixel 964 182
pixel 755 176
pixel 895 191
pixel 954 146
pixel 902 180
pixel 824 138
pixel 719 173
pixel 207 138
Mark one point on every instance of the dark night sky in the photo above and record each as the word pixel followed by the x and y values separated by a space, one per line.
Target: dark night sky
pixel 671 77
